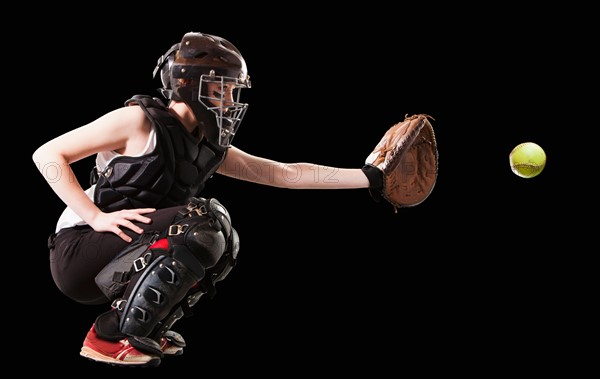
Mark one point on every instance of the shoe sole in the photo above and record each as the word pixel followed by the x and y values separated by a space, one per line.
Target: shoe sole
pixel 168 353
pixel 90 354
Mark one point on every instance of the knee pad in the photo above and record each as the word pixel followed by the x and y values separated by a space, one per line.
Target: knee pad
pixel 171 273
pixel 199 241
pixel 227 261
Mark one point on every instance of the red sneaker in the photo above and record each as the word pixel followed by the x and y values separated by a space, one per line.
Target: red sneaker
pixel 115 353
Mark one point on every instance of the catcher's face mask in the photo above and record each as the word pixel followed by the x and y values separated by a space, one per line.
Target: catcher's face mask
pixel 221 95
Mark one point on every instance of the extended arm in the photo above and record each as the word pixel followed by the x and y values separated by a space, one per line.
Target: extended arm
pixel 241 165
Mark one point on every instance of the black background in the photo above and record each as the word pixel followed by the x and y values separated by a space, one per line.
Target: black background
pixel 330 280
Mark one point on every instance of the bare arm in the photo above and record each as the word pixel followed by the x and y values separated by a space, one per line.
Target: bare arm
pixel 123 130
pixel 241 165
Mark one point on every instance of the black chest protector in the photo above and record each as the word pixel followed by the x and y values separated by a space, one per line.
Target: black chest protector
pixel 174 171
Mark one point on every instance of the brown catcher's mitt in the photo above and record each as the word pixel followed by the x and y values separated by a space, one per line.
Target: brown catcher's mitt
pixel 402 168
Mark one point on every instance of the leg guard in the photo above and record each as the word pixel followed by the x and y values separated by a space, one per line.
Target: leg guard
pixel 206 286
pixel 174 273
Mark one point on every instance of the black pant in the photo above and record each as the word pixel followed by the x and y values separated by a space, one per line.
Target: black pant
pixel 78 254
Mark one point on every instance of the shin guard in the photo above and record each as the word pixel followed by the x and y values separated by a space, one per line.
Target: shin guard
pixel 169 279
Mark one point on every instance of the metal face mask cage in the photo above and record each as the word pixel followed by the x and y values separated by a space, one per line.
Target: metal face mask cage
pixel 228 113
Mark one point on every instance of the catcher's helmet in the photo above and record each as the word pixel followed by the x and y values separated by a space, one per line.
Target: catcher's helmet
pixel 187 69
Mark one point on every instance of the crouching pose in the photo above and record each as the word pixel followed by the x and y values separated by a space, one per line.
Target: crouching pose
pixel 157 280
pixel 144 206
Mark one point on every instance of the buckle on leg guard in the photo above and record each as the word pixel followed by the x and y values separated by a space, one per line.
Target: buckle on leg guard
pixel 196 206
pixel 177 229
pixel 142 262
pixel 118 304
